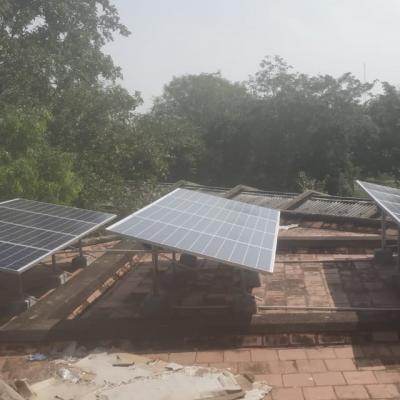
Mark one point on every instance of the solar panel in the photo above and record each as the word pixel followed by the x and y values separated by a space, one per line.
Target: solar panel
pixel 230 231
pixel 386 197
pixel 31 230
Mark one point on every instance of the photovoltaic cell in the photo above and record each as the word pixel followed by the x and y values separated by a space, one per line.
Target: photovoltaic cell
pixel 31 230
pixel 386 197
pixel 229 231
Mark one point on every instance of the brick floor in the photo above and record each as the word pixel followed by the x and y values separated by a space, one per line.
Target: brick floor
pixel 263 354
pixel 237 355
pixel 292 354
pixel 360 377
pixel 311 365
pixel 339 284
pixel 387 376
pixel 272 379
pixel 356 392
pixel 377 351
pixel 278 366
pixel 348 352
pixel 320 353
pixel 210 356
pixel 187 358
pixel 329 378
pixel 383 391
pixel 340 364
pixel 311 373
pixel 287 394
pixel 298 380
pixel 319 393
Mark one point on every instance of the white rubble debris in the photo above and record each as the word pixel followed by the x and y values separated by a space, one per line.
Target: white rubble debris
pixel 287 227
pixel 125 376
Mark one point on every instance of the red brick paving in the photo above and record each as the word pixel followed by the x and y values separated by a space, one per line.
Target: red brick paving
pixel 188 358
pixel 292 354
pixel 329 378
pixel 297 380
pixel 319 393
pixel 356 392
pixel 360 377
pixel 287 394
pixel 287 366
pixel 237 355
pixel 263 354
pixel 310 365
pixel 387 376
pixel 210 356
pixel 314 373
pixel 340 364
pixel 272 379
pixel 383 391
pixel 348 352
pixel 320 353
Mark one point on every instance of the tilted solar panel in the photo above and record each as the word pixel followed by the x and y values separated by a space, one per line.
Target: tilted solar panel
pixel 386 197
pixel 31 230
pixel 229 231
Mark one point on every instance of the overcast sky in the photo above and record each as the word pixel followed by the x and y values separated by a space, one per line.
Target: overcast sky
pixel 174 37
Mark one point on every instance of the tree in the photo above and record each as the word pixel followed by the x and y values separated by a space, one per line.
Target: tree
pixel 216 109
pixel 305 123
pixel 51 59
pixel 48 46
pixel 280 125
pixel 29 167
pixel 379 151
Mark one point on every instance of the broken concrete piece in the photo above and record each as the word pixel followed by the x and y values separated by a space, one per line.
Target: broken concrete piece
pixel 22 387
pixel 173 367
pixel 157 381
pixel 69 375
pixel 287 227
pixel 8 393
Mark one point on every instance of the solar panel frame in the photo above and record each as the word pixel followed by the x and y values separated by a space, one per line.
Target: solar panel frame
pixel 43 251
pixel 369 188
pixel 184 228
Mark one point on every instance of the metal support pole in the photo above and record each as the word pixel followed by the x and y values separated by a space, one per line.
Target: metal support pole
pixel 54 263
pixel 80 249
pixel 155 272
pixel 174 262
pixel 383 225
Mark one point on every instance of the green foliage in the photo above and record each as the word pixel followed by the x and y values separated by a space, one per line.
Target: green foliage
pixel 304 183
pixel 70 134
pixel 217 110
pixel 84 145
pixel 29 167
pixel 281 123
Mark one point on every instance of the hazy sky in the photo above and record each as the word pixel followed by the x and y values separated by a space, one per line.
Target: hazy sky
pixel 174 37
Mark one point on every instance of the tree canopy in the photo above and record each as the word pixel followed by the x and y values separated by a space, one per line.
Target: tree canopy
pixel 70 133
pixel 282 129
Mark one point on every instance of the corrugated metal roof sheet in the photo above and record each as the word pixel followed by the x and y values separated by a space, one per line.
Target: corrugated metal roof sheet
pixel 314 203
pixel 334 206
pixel 272 200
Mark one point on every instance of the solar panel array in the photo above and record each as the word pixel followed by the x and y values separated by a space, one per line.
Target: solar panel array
pixel 387 198
pixel 230 231
pixel 31 230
